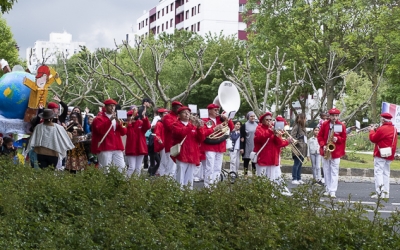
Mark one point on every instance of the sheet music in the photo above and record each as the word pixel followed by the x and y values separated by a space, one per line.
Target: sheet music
pixel 203 113
pixel 338 128
pixel 193 108
pixel 121 114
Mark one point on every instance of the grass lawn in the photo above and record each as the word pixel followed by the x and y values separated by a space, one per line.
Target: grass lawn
pixel 395 165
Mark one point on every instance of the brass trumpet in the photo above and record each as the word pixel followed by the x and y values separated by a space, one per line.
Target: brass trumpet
pixel 196 120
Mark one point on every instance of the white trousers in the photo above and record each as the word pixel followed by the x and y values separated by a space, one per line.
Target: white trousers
pixel 331 174
pixel 212 170
pixel 273 173
pixel 235 160
pixel 184 173
pixel 163 163
pixel 115 157
pixel 198 172
pixel 382 175
pixel 134 164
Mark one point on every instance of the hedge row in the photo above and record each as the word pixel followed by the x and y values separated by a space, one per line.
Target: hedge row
pixel 92 210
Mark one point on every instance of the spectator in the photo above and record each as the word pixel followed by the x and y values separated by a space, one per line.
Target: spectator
pixel 49 140
pixel 7 147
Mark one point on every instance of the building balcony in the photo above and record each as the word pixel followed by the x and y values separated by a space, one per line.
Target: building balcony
pixel 153 24
pixel 180 9
pixel 179 25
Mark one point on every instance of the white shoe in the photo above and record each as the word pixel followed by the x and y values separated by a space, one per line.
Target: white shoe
pixel 326 193
pixel 333 195
pixel 375 196
pixel 301 182
pixel 295 182
pixel 196 179
pixel 322 180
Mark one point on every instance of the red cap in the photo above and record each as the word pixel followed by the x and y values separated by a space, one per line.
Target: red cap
pixel 387 116
pixel 213 106
pixel 183 108
pixel 110 101
pixel 334 111
pixel 279 118
pixel 264 115
pixel 162 110
pixel 129 113
pixel 43 70
pixel 52 105
pixel 176 103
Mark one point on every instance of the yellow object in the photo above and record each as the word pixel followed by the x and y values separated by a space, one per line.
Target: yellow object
pixel 7 91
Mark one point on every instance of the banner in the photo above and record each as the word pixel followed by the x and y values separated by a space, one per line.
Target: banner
pixel 394 110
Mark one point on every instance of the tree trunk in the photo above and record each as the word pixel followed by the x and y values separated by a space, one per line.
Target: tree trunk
pixel 330 94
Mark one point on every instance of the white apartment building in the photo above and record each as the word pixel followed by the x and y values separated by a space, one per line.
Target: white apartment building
pixel 200 16
pixel 48 51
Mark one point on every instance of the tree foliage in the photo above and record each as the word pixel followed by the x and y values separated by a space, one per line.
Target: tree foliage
pixel 8 51
pixel 6 5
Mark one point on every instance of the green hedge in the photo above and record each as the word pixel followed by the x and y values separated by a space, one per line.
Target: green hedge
pixel 91 210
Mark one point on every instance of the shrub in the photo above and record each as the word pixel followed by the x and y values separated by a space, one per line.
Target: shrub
pixel 92 210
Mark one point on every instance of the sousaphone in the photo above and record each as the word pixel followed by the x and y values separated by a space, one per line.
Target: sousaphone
pixel 228 99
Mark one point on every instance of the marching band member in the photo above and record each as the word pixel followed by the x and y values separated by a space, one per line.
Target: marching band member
pixel 268 163
pixel 159 148
pixel 191 131
pixel 384 136
pixel 166 162
pixel 214 152
pixel 299 133
pixel 136 147
pixel 106 137
pixel 331 160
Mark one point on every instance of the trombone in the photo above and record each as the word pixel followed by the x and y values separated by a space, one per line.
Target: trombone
pixel 292 145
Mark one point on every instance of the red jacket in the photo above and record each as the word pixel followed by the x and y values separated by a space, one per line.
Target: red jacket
pixel 221 147
pixel 269 156
pixel 159 131
pixel 135 137
pixel 113 141
pixel 340 143
pixel 168 121
pixel 190 149
pixel 383 137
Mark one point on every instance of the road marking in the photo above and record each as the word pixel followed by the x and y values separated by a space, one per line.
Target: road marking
pixel 381 211
pixel 396 204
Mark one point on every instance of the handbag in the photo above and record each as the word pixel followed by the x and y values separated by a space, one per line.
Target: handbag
pixel 254 155
pixel 176 149
pixel 387 151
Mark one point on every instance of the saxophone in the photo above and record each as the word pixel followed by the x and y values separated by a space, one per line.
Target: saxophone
pixel 330 146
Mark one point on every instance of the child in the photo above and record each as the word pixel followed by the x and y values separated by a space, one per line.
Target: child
pixel 313 154
pixel 234 152
pixel 7 147
pixel 324 117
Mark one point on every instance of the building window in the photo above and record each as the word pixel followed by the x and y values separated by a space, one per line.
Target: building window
pixel 158 29
pixel 187 14
pixel 147 21
pixel 170 22
pixel 166 25
pixel 139 26
pixel 142 24
pixel 198 8
pixel 172 6
pixel 187 0
pixel 198 26
pixel 193 12
pixel 162 12
pixel 162 27
pixel 242 8
pixel 166 9
pixel 191 28
pixel 158 15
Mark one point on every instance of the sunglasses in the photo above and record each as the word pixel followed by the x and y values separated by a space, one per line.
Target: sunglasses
pixel 268 120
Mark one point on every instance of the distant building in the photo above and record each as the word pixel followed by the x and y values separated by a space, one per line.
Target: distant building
pixel 49 51
pixel 200 16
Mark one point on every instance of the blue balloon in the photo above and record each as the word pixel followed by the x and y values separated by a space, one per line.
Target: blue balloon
pixel 14 95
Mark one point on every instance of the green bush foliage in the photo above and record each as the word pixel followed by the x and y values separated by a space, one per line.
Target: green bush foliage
pixel 359 142
pixel 92 210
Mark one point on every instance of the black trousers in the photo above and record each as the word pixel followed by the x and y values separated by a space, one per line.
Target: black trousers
pixel 146 162
pixel 47 161
pixel 154 163
pixel 246 162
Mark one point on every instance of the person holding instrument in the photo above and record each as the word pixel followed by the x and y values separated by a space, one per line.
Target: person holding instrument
pixel 299 133
pixel 106 137
pixel 384 137
pixel 332 141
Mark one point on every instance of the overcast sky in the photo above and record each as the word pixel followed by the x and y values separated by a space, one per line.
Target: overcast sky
pixel 95 22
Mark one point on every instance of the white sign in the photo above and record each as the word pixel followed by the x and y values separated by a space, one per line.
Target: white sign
pixel 358 124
